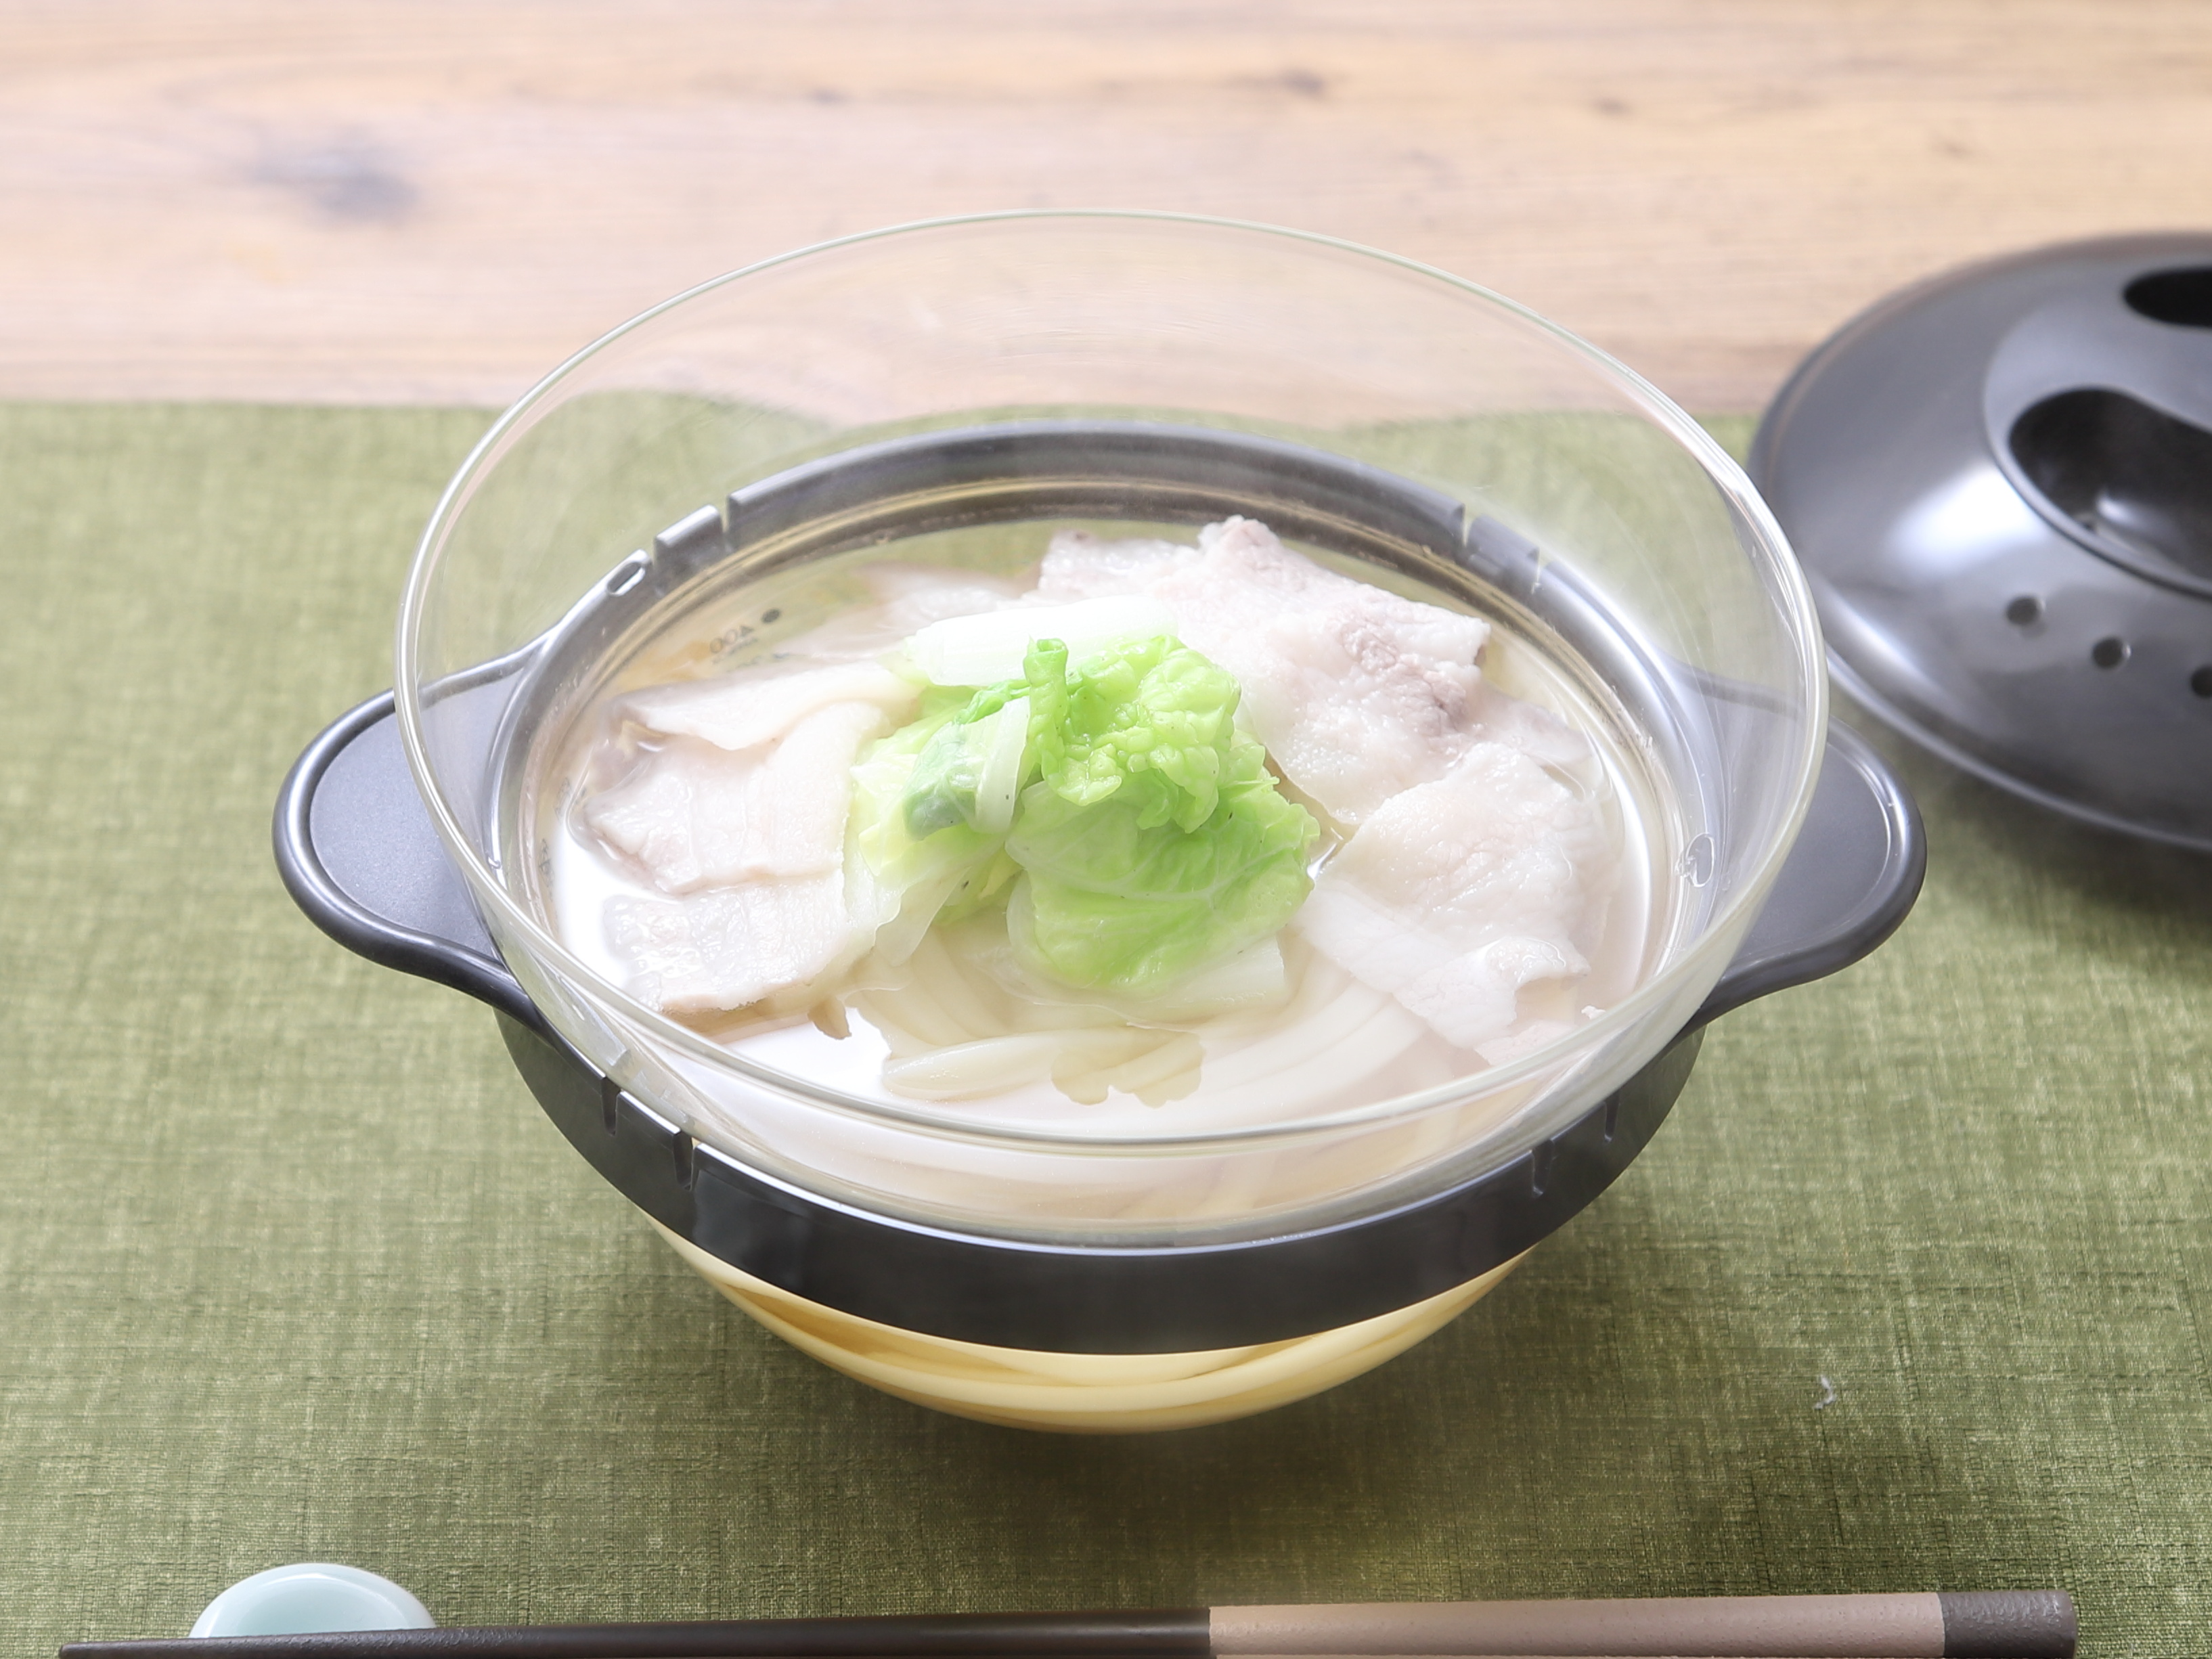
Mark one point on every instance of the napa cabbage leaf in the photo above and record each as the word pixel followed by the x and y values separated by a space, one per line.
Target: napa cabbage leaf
pixel 1149 837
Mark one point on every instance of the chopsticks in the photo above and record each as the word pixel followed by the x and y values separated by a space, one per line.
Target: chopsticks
pixel 1932 1624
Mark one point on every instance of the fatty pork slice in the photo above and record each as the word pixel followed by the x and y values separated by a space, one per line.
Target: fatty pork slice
pixel 694 815
pixel 751 707
pixel 751 846
pixel 1357 693
pixel 1079 566
pixel 748 840
pixel 1456 893
pixel 773 942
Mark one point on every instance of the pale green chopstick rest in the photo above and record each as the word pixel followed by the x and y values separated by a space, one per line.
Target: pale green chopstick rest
pixel 310 1597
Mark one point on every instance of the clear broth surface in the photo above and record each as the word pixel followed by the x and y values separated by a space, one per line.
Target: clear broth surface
pixel 725 625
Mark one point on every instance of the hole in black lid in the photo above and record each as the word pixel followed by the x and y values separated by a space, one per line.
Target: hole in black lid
pixel 2182 296
pixel 2110 651
pixel 2200 681
pixel 2133 475
pixel 2023 610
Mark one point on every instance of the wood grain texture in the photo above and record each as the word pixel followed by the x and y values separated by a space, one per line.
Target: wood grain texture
pixel 436 201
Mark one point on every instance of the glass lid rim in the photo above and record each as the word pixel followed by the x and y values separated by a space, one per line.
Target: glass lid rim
pixel 1783 579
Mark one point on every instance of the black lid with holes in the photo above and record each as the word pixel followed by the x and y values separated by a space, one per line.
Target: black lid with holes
pixel 1999 483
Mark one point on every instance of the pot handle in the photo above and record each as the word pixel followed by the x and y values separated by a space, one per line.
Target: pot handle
pixel 1851 875
pixel 357 851
pixel 355 848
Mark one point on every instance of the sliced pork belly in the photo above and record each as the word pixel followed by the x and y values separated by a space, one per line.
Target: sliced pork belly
pixel 681 815
pixel 730 947
pixel 1357 693
pixel 1078 565
pixel 694 815
pixel 1456 893
pixel 1535 731
pixel 755 706
pixel 748 836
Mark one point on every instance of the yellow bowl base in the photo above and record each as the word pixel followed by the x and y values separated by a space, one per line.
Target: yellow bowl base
pixel 1084 1393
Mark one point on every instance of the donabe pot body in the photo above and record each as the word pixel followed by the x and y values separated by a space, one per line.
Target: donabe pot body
pixel 1158 372
pixel 357 848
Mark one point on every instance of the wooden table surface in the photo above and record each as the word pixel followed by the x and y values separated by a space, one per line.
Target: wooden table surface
pixel 436 200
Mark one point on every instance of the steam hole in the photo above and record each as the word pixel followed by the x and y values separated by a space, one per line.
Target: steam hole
pixel 2182 297
pixel 2136 478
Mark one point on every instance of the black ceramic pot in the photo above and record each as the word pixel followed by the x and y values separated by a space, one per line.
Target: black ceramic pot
pixel 981 382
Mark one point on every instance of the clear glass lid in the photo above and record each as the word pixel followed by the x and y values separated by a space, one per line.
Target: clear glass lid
pixel 718 487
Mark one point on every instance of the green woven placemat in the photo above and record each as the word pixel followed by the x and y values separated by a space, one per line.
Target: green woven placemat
pixel 1912 1291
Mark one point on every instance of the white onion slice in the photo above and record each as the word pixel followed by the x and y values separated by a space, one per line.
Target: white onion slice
pixel 998 781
